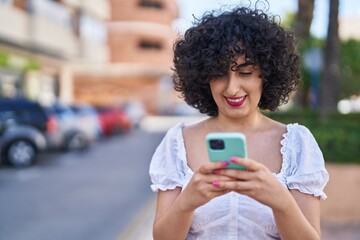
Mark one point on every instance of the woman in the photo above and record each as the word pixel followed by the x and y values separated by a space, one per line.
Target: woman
pixel 230 66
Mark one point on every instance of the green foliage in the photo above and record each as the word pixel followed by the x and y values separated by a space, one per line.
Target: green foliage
pixel 30 63
pixel 349 61
pixel 350 68
pixel 3 59
pixel 338 136
pixel 289 20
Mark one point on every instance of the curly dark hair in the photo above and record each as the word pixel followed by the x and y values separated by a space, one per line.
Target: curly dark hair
pixel 210 48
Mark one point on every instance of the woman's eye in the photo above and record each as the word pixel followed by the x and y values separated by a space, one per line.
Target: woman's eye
pixel 245 73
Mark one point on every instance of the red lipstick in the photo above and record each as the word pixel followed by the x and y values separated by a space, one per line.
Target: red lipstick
pixel 235 101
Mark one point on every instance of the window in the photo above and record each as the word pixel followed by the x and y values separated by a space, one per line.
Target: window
pixel 146 44
pixel 151 4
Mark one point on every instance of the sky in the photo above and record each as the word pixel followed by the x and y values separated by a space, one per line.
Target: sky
pixel 347 8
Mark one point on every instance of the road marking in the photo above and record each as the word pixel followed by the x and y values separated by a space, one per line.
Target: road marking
pixel 140 228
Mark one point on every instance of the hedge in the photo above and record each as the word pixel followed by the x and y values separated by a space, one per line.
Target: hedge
pixel 338 136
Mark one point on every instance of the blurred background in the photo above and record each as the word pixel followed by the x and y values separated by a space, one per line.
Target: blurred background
pixel 86 95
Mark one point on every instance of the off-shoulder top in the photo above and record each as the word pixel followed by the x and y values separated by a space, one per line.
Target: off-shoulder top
pixel 236 216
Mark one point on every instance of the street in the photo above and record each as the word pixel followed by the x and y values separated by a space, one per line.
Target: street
pixel 103 193
pixel 92 194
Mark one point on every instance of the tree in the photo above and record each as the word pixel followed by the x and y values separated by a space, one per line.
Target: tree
pixel 304 18
pixel 329 86
pixel 302 32
pixel 349 68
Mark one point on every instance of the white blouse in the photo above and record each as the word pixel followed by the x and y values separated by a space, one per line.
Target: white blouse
pixel 236 216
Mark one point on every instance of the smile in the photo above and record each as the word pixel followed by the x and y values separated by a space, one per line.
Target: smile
pixel 235 101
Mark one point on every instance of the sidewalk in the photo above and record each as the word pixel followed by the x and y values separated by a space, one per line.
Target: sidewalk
pixel 140 227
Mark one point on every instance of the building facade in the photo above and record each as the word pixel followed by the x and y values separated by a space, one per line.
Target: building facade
pixel 140 39
pixel 104 52
pixel 40 38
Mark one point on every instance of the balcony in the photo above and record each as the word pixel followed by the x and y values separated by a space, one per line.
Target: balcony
pixel 14 25
pixel 51 28
pixel 48 29
pixel 52 37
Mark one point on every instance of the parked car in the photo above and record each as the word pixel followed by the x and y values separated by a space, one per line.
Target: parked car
pixel 68 134
pixel 88 120
pixel 19 143
pixel 113 120
pixel 56 122
pixel 135 110
pixel 29 113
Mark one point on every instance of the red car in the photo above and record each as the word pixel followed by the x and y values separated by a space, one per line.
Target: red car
pixel 113 120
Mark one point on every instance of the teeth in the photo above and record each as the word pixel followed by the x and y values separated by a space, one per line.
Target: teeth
pixel 235 100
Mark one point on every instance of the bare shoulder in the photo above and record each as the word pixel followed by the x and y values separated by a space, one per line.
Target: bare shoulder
pixel 193 130
pixel 275 126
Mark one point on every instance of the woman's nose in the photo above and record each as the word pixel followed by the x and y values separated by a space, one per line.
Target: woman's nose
pixel 233 85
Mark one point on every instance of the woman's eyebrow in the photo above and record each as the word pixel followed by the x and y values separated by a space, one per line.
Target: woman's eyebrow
pixel 244 66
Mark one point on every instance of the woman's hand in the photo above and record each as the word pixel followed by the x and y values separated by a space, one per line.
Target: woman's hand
pixel 256 182
pixel 203 185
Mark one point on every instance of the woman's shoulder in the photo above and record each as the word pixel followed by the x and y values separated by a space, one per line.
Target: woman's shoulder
pixel 176 129
pixel 303 161
pixel 275 129
pixel 193 129
pixel 299 144
pixel 298 131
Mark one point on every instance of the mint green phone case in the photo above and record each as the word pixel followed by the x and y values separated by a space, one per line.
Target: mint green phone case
pixel 223 146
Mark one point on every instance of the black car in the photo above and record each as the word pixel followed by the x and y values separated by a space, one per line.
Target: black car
pixel 19 143
pixel 27 112
pixel 56 122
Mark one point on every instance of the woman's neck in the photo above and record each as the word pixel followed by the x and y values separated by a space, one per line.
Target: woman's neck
pixel 252 122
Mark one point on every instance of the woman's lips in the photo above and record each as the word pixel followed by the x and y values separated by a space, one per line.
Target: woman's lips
pixel 235 101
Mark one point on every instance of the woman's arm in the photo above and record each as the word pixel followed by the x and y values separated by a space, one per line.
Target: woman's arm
pixel 175 208
pixel 299 218
pixel 172 221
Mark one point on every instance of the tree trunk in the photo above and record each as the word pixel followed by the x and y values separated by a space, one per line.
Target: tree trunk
pixel 302 31
pixel 304 18
pixel 329 88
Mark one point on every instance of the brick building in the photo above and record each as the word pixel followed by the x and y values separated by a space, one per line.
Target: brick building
pixel 140 38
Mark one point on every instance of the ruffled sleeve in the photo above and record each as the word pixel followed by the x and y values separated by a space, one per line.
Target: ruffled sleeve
pixel 306 170
pixel 166 167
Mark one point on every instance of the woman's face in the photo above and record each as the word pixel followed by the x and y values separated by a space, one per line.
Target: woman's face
pixel 238 93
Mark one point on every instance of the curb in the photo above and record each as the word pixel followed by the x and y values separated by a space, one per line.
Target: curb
pixel 140 227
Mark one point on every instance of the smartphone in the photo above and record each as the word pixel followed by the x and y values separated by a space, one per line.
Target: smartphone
pixel 222 146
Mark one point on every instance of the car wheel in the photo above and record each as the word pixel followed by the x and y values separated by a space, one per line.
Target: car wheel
pixel 76 142
pixel 21 153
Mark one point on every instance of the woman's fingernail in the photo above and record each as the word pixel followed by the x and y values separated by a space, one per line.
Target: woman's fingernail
pixel 216 171
pixel 233 159
pixel 215 184
pixel 224 164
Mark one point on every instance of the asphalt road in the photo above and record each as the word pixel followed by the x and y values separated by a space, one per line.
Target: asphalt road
pixel 89 195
